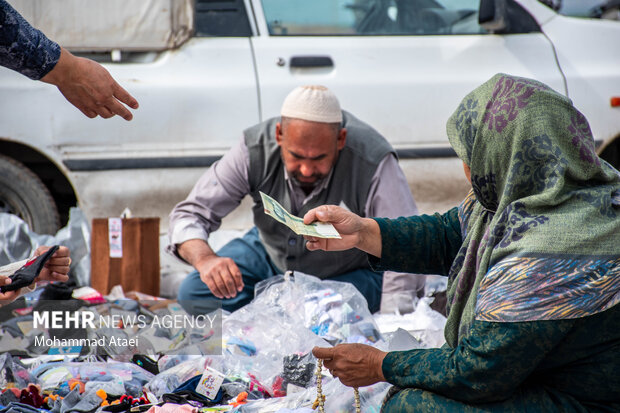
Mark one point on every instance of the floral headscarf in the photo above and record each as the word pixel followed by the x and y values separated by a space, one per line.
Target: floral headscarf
pixel 541 227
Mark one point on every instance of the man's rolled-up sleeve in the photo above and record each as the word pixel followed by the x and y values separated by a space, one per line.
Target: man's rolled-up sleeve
pixel 218 191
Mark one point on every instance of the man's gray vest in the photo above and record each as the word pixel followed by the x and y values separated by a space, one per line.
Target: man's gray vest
pixel 350 183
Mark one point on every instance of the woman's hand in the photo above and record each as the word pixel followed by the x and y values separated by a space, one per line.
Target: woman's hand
pixel 356 365
pixel 356 232
pixel 57 267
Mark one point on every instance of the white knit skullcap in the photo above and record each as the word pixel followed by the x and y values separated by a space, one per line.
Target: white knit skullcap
pixel 313 103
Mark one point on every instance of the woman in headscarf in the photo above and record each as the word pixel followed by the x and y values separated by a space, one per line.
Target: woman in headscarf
pixel 533 260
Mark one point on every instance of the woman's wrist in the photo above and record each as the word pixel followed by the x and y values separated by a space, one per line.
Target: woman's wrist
pixel 370 237
pixel 380 356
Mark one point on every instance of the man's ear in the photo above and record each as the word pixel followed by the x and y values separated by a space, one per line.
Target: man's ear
pixel 279 133
pixel 342 139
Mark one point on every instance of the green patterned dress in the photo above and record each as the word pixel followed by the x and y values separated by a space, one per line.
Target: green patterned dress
pixel 533 260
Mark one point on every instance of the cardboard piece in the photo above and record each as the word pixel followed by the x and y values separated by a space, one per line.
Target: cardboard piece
pixel 138 267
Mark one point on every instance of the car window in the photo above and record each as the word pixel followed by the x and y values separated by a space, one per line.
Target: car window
pixel 222 19
pixel 371 17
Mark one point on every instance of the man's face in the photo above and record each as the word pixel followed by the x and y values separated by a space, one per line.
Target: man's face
pixel 309 150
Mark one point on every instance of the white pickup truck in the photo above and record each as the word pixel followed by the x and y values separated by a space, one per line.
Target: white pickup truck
pixel 400 65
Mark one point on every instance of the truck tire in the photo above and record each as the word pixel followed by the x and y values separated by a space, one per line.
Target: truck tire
pixel 23 194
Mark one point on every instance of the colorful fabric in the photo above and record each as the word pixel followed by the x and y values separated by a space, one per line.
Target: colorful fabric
pixel 541 226
pixel 539 288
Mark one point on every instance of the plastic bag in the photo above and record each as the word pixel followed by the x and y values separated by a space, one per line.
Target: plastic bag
pixel 340 398
pixel 333 310
pixel 259 337
pixel 424 324
pixel 13 373
pixel 19 242
pixel 168 361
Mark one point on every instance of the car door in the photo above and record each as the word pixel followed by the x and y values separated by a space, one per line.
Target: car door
pixel 187 96
pixel 194 103
pixel 400 65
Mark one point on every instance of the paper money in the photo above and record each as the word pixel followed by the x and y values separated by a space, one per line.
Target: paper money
pixel 316 229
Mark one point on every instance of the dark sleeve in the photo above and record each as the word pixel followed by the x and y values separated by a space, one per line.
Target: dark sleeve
pixel 24 48
pixel 488 365
pixel 424 244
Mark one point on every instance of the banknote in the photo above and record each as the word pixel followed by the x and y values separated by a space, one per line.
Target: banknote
pixel 316 229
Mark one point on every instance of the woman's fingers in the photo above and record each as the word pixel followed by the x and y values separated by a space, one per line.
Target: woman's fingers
pixel 323 213
pixel 324 353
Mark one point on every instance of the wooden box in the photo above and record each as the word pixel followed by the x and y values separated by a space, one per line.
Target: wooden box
pixel 126 252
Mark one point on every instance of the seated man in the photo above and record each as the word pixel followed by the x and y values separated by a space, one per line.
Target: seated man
pixel 314 154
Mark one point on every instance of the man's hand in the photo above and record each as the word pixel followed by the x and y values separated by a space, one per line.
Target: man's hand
pixel 89 87
pixel 221 275
pixel 356 232
pixel 57 267
pixel 356 365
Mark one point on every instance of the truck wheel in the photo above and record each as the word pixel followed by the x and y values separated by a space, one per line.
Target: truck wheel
pixel 23 194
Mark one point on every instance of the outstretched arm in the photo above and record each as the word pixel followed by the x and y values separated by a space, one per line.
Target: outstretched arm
pixel 89 87
pixel 85 83
pixel 424 244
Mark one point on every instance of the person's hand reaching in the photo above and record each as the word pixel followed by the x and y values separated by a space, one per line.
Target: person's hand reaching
pixel 356 232
pixel 89 87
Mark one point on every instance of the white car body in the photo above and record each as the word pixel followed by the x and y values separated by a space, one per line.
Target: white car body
pixel 196 100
